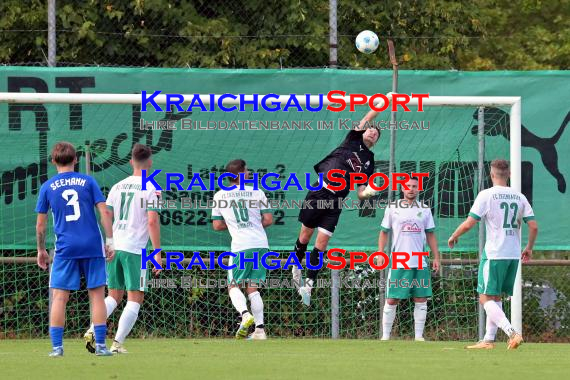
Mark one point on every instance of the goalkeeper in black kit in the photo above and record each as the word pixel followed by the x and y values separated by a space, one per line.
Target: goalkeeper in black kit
pixel 354 155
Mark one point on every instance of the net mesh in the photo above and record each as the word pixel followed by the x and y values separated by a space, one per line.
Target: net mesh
pixel 109 131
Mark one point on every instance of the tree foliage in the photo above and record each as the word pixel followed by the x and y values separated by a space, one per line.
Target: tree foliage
pixel 435 34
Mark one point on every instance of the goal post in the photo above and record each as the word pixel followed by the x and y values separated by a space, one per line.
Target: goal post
pixel 513 104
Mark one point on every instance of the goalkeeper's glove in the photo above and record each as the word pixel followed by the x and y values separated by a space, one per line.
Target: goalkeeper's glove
pixel 389 96
pixel 368 192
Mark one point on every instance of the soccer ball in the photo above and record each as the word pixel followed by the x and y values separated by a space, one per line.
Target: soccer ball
pixel 367 42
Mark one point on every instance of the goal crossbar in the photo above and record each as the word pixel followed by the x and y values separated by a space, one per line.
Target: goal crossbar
pixel 65 98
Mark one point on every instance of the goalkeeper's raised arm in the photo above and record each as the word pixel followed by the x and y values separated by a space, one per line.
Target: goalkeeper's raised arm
pixel 365 192
pixel 371 115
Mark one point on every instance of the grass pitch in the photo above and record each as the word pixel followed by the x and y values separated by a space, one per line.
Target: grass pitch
pixel 285 359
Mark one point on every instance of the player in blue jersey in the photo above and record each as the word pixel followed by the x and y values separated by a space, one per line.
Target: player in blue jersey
pixel 79 248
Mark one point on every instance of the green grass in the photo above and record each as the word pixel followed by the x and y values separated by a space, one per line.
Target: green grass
pixel 312 359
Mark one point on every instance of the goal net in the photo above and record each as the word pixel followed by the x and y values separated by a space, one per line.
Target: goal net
pixel 443 140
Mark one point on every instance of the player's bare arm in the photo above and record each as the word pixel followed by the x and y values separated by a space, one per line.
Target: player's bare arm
pixel 382 240
pixel 432 243
pixel 43 256
pixel 463 228
pixel 532 234
pixel 106 218
pixel 266 219
pixel 371 115
pixel 154 233
pixel 219 225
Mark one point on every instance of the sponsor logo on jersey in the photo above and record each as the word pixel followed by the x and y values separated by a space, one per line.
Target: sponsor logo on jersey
pixel 411 227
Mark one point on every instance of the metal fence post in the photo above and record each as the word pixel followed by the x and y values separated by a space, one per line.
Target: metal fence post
pixel 51 34
pixel 333 34
pixel 51 254
pixel 335 304
pixel 335 275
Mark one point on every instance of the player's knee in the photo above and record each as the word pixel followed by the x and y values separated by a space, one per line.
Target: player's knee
pixel 305 234
pixel 392 301
pixel 96 293
pixel 252 290
pixel 322 241
pixel 61 297
pixel 483 298
pixel 117 295
pixel 135 296
pixel 420 300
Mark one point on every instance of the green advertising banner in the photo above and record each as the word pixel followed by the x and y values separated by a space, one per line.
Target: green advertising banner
pixel 442 141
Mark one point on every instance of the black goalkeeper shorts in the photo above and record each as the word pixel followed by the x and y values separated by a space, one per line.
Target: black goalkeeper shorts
pixel 323 218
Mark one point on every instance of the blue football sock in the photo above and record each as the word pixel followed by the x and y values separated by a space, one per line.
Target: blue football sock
pixel 100 334
pixel 56 335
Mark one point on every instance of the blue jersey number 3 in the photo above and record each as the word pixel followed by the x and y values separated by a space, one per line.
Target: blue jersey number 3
pixel 72 200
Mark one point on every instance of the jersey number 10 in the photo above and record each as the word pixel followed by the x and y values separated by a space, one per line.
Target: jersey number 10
pixel 241 214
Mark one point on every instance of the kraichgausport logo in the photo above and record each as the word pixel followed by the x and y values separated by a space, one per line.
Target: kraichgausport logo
pixel 274 102
pixel 271 260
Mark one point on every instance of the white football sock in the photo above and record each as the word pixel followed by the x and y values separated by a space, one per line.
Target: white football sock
pixel 491 327
pixel 309 284
pixel 420 315
pixel 388 320
pixel 238 300
pixel 498 317
pixel 256 307
pixel 127 321
pixel 110 305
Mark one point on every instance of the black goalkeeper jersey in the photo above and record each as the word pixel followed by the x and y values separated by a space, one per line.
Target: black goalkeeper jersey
pixel 352 155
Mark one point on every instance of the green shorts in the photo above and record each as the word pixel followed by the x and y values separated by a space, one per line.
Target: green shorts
pixel 125 272
pixel 248 272
pixel 407 283
pixel 497 277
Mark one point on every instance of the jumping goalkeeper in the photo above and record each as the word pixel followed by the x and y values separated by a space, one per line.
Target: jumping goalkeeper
pixel 354 155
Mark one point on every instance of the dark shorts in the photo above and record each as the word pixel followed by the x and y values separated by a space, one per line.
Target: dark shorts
pixel 66 273
pixel 324 215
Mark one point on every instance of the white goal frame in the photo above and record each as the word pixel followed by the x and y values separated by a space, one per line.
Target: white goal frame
pixel 513 102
